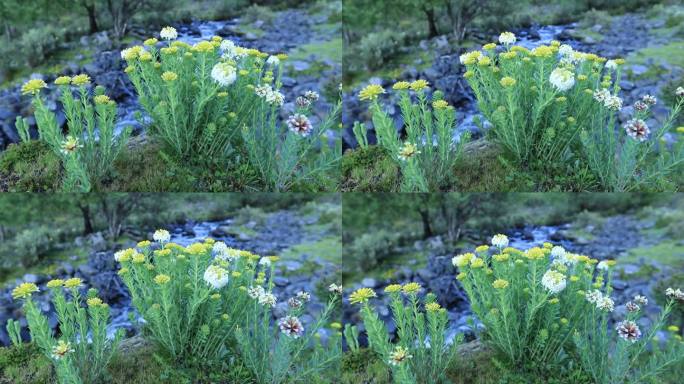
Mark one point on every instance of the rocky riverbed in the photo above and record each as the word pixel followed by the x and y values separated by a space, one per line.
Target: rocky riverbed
pixel 275 234
pixel 602 241
pixel 285 33
pixel 619 38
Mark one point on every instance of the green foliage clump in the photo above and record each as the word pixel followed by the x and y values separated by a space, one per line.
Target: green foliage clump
pixel 30 166
pixel 370 249
pixel 25 364
pixel 369 169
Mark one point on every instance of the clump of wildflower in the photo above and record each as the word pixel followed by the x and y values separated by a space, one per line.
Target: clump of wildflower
pixel 361 295
pixel 291 326
pixel 393 288
pixel 605 303
pixel 294 303
pixel 470 57
pixel 649 100
pixel 94 302
pixel 628 330
pixel 161 235
pixel 216 276
pixel 72 283
pixel 500 241
pixel 432 307
pixel 224 74
pixel 312 96
pixel 303 296
pixel 640 106
pixel 300 124
pixel 675 294
pixel 500 284
pixel 632 307
pixel 70 145
pixel 302 102
pixel 462 260
pixel 507 38
pixel 399 356
pixel 33 87
pixel 168 33
pixel 679 92
pixel 267 299
pixel 562 78
pixel 371 92
pixel 611 65
pixel 102 99
pixel 60 350
pixel 335 288
pixel 440 104
pixel 641 300
pixel 24 290
pixel 255 292
pixel 565 50
pixel 553 281
pixel 63 80
pixel 162 279
pixel 411 288
pixel 637 129
pixel 56 283
pixel 407 151
pixel 419 85
pixel 80 80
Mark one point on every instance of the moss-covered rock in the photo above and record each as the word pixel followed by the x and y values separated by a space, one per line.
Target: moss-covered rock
pixel 29 167
pixel 364 366
pixel 369 169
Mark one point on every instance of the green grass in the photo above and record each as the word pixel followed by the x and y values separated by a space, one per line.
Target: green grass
pixel 672 53
pixel 668 252
pixel 329 49
pixel 328 248
pixel 419 59
pixel 55 64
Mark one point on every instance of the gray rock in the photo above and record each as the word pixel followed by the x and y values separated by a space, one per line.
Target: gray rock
pixel 638 69
pixel 369 282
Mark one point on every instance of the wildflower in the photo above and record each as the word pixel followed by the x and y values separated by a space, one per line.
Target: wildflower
pixel 227 46
pixel 500 241
pixel 489 47
pixel 553 281
pixel 224 74
pixel 470 57
pixel 161 235
pixel 558 252
pixel 675 294
pixel 300 124
pixel 265 262
pixel 432 307
pixel 33 87
pixel 562 79
pixel 24 290
pixel 162 279
pixel 637 129
pixel 476 262
pixel 399 355
pixel 543 51
pixel 124 255
pixel 393 288
pixel 130 53
pixel 641 300
pixel 302 102
pixel 255 292
pixel 500 284
pixel 70 145
pixel 273 60
pixel 334 288
pixel 509 55
pixel 63 80
pixel 632 307
pixel 462 260
pixel 535 253
pixel 614 103
pixel 293 302
pixel 440 104
pixel 679 92
pixel 168 33
pixel 56 283
pixel 507 82
pixel 484 61
pixel 640 106
pixel 138 258
pixel 74 282
pixel 361 295
pixel 312 95
pixel 267 299
pixel 460 276
pixel 611 65
pixel 304 296
pixel 407 151
pixel 291 326
pixel 371 92
pixel 482 248
pixel 80 80
pixel 275 98
pixel 411 288
pixel 605 303
pixel 649 100
pixel 628 330
pixel 603 266
pixel 507 38
pixel 169 76
pixel 468 74
pixel 419 85
pixel 60 350
pixel 673 328
pixel 216 276
pixel 565 50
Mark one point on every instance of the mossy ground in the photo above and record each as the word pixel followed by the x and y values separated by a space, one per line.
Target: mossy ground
pixel 142 167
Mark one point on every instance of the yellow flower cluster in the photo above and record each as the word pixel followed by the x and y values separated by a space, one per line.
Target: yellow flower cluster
pixel 33 87
pixel 361 295
pixel 440 104
pixel 80 80
pixel 24 290
pixel 371 92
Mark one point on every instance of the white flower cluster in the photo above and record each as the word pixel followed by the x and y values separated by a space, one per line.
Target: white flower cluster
pixel 334 288
pixel 222 252
pixel 500 241
pixel 273 61
pixel 271 96
pixel 609 101
pixel 554 281
pixel 604 303
pixel 562 78
pixel 507 38
pixel 637 129
pixel 628 330
pixel 161 235
pixel 224 74
pixel 216 276
pixel 291 326
pixel 264 298
pixel 168 33
pixel 675 294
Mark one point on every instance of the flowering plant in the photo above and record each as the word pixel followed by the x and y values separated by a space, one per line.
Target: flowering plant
pixel 553 103
pixel 90 147
pixel 413 359
pixel 429 152
pixel 83 351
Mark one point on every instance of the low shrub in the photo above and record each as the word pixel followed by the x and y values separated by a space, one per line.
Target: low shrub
pixel 421 354
pixel 544 305
pixel 376 48
pixel 83 351
pixel 429 152
pixel 370 249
